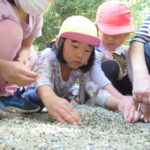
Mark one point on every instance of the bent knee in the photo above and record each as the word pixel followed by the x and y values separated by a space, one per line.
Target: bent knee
pixel 11 39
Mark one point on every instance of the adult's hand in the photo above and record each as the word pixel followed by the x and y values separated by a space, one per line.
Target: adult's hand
pixel 141 89
pixel 17 73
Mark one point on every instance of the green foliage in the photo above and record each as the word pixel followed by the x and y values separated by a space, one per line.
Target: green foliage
pixel 139 10
pixel 61 9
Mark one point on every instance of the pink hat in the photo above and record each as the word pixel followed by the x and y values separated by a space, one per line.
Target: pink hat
pixel 113 17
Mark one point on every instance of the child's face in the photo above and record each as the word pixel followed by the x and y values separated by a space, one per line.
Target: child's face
pixel 111 42
pixel 76 54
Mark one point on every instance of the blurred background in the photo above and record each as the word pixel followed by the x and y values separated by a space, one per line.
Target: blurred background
pixel 61 9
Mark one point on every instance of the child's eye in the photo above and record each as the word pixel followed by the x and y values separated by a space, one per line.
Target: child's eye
pixel 74 46
pixel 87 51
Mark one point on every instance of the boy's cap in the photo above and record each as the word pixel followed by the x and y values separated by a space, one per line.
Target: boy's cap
pixel 80 29
pixel 113 17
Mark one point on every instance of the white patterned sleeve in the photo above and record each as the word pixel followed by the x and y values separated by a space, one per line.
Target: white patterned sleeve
pixel 97 96
pixel 44 69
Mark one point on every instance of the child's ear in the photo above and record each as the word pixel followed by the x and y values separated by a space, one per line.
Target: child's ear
pixel 56 41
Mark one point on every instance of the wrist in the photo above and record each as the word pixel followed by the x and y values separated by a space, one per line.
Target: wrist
pixel 113 103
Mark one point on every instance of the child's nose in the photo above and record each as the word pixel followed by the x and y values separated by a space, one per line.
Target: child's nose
pixel 80 54
pixel 110 38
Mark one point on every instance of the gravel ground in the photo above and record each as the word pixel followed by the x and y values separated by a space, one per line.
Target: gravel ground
pixel 100 130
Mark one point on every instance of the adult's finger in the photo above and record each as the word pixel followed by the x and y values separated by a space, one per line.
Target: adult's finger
pixel 28 73
pixel 23 80
pixel 136 116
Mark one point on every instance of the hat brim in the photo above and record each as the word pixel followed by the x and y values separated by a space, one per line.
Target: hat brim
pixel 114 30
pixel 91 40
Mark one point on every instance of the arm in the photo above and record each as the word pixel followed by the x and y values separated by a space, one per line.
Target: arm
pixel 141 78
pixel 58 107
pixel 111 89
pixel 101 80
pixel 126 105
pixel 23 55
pixel 24 52
pixel 103 98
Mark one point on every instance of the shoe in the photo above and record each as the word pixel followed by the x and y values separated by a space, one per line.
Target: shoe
pixel 14 103
pixel 29 96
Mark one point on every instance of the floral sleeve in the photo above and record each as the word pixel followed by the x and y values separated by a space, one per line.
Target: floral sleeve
pixel 44 69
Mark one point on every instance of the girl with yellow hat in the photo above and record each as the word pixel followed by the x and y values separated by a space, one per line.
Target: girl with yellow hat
pixel 68 58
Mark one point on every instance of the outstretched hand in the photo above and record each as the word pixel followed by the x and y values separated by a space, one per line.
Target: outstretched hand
pixel 63 111
pixel 17 73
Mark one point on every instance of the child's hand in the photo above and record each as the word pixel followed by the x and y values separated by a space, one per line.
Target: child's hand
pixel 63 111
pixel 145 110
pixel 141 89
pixel 16 73
pixel 129 109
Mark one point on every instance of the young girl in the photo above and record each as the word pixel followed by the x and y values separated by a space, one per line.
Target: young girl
pixel 20 23
pixel 59 67
pixel 139 69
pixel 113 22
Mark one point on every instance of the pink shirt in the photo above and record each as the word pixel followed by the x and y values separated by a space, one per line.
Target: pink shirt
pixel 12 32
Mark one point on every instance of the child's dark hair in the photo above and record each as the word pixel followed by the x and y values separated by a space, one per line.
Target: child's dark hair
pixel 59 54
pixel 11 2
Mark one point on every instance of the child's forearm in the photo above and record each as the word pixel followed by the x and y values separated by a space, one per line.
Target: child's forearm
pixel 112 103
pixel 46 94
pixel 111 89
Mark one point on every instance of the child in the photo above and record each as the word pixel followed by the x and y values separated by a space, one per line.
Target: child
pixel 59 67
pixel 68 59
pixel 20 23
pixel 113 22
pixel 139 57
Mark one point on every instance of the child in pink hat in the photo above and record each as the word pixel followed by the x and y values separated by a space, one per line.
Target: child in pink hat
pixel 113 23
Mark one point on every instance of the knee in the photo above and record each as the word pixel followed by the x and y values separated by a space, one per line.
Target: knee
pixel 11 39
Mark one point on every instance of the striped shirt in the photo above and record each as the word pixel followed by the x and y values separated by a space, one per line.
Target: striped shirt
pixel 143 34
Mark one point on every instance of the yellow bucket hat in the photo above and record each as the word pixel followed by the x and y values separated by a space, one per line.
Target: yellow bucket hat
pixel 80 29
